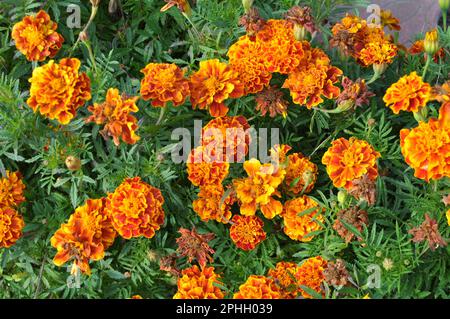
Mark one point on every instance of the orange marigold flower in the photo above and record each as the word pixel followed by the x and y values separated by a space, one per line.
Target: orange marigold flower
pixel 115 114
pixel 409 94
pixel 247 60
pixel 258 287
pixel 257 189
pixel 378 53
pixel 209 199
pixel 247 231
pixel 271 100
pixel 418 47
pixel 136 209
pixel 301 174
pixel 85 237
pixel 193 245
pixel 350 35
pixel 284 276
pixel 212 85
pixel 278 153
pixel 310 274
pixel 426 148
pixel 203 169
pixel 299 222
pixel 11 189
pixel 199 284
pixel 136 297
pixel 36 37
pixel 164 83
pixel 58 90
pixel 11 225
pixel 389 20
pixel 348 160
pixel 313 80
pixel 227 136
pixel 441 93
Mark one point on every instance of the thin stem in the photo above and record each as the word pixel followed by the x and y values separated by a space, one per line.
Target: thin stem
pixel 375 77
pixel 427 65
pixel 444 17
pixel 91 55
pixel 161 115
pixel 91 18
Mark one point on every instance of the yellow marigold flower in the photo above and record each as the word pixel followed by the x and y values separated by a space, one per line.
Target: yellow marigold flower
pixel 36 37
pixel 208 202
pixel 247 232
pixel 313 80
pixel 310 274
pixel 298 225
pixel 85 237
pixel 229 135
pixel 115 114
pixel 258 287
pixel 58 90
pixel 301 174
pixel 409 94
pixel 348 160
pixel 257 189
pixel 203 169
pixel 284 275
pixel 164 83
pixel 212 85
pixel 198 283
pixel 426 148
pixel 247 59
pixel 136 209
pixel 389 20
pixel 11 225
pixel 11 189
pixel 378 53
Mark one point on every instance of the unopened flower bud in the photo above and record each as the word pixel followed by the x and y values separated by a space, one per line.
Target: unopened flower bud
pixel 342 196
pixel 388 264
pixel 444 4
pixel 300 32
pixel 83 36
pixel 247 5
pixel 431 43
pixel 73 163
pixel 379 69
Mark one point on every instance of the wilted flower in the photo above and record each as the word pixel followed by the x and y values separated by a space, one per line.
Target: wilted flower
pixel 252 22
pixel 169 264
pixel 73 163
pixel 364 188
pixel 271 101
pixel 389 20
pixel 303 21
pixel 428 231
pixel 193 245
pixel 182 5
pixel 336 273
pixel 355 94
pixel 353 216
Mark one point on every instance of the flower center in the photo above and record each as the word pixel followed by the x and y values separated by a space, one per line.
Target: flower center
pixel 33 35
pixel 212 84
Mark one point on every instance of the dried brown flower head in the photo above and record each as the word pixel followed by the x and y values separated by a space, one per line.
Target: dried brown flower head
pixel 355 94
pixel 169 263
pixel 193 245
pixel 301 16
pixel 252 22
pixel 336 273
pixel 353 216
pixel 364 189
pixel 428 231
pixel 271 100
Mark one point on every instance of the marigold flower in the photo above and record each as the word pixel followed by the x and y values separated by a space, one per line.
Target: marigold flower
pixel 11 189
pixel 212 84
pixel 36 37
pixel 336 273
pixel 257 189
pixel 378 53
pixel 136 297
pixel 193 245
pixel 199 284
pixel 204 170
pixel 164 83
pixel 299 223
pixel 441 93
pixel 284 276
pixel 301 174
pixel 313 80
pixel 418 47
pixel 169 264
pixel 227 135
pixel 11 225
pixel 310 274
pixel 409 94
pixel 389 20
pixel 58 90
pixel 136 209
pixel 428 231
pixel 352 216
pixel 252 22
pixel 355 94
pixel 85 237
pixel 348 160
pixel 301 17
pixel 350 35
pixel 278 154
pixel 365 189
pixel 271 101
pixel 258 287
pixel 210 204
pixel 115 114
pixel 426 148
pixel 247 231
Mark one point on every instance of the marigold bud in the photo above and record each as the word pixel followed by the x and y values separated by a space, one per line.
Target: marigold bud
pixel 73 163
pixel 83 36
pixel 95 3
pixel 247 5
pixel 300 32
pixel 342 196
pixel 380 68
pixel 431 43
pixel 444 4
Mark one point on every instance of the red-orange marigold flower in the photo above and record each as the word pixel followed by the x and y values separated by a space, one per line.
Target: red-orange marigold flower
pixel 115 114
pixel 426 148
pixel 203 169
pixel 378 53
pixel 310 274
pixel 257 189
pixel 136 209
pixel 11 225
pixel 409 94
pixel 58 90
pixel 212 85
pixel 85 237
pixel 36 37
pixel 247 231
pixel 301 174
pixel 164 83
pixel 284 276
pixel 299 220
pixel 209 199
pixel 258 287
pixel 199 284
pixel 11 189
pixel 348 160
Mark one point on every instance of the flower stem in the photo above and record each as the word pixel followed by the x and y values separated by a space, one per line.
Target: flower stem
pixel 91 55
pixel 444 19
pixel 427 65
pixel 375 77
pixel 91 18
pixel 161 115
